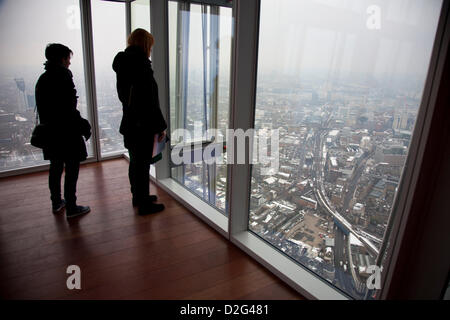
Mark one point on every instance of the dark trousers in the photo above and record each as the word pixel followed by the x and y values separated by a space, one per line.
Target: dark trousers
pixel 70 180
pixel 139 175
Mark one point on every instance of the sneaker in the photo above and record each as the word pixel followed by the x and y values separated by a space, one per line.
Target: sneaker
pixel 150 208
pixel 150 198
pixel 77 211
pixel 58 206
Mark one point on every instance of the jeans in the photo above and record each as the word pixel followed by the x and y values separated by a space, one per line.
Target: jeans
pixel 70 180
pixel 139 175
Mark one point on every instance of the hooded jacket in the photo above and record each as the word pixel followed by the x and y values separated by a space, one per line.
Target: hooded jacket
pixel 56 103
pixel 138 92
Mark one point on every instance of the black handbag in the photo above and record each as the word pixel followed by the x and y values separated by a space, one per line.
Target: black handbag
pixel 40 135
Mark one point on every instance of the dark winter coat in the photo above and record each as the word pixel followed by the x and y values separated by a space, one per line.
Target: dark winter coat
pixel 138 92
pixel 56 102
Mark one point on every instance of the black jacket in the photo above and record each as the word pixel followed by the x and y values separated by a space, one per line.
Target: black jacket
pixel 138 92
pixel 56 102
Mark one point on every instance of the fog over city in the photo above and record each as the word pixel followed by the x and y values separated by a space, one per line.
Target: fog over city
pixel 27 34
pixel 317 36
pixel 22 26
pixel 312 29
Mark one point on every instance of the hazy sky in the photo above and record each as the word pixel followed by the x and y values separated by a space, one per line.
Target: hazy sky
pixel 295 36
pixel 28 26
pixel 338 36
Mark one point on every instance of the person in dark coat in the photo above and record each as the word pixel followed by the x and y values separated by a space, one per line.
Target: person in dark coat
pixel 142 118
pixel 56 102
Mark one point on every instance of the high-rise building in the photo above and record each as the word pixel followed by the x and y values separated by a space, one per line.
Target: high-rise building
pixel 22 103
pixel 400 121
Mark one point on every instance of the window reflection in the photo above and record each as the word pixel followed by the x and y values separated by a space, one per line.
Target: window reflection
pixel 200 54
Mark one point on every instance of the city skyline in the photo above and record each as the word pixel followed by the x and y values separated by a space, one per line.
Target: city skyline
pixel 346 165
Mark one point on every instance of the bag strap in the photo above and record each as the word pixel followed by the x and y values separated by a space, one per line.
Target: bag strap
pixel 37 115
pixel 129 97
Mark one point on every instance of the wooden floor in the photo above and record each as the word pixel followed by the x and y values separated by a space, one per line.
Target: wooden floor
pixel 170 255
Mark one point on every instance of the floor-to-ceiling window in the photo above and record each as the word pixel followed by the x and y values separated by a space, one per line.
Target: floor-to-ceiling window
pixel 342 83
pixel 26 27
pixel 109 36
pixel 200 56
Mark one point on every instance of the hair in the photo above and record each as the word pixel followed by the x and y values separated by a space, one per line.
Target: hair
pixel 143 39
pixel 56 52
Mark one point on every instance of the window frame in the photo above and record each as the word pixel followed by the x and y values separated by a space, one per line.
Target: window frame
pixel 159 21
pixel 90 85
pixel 245 59
pixel 398 276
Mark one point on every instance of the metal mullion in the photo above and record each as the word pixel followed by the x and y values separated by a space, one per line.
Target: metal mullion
pixel 243 96
pixel 204 18
pixel 214 88
pixel 182 60
pixel 89 72
pixel 214 64
pixel 160 54
pixel 128 17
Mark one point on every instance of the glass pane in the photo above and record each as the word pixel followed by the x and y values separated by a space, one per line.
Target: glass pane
pixel 200 54
pixel 109 34
pixel 342 81
pixel 140 14
pixel 21 64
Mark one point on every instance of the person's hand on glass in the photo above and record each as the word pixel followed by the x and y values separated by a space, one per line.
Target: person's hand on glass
pixel 161 137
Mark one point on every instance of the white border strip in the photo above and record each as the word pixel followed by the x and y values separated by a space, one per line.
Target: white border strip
pixel 287 270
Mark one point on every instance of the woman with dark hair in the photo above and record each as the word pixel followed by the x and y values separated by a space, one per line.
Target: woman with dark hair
pixel 56 102
pixel 142 117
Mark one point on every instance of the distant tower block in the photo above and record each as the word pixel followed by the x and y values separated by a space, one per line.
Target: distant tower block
pixel 20 84
pixel 396 122
pixel 23 102
pixel 400 121
pixel 31 101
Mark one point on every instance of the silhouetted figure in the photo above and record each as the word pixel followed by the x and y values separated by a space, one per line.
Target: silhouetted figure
pixel 142 117
pixel 56 102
